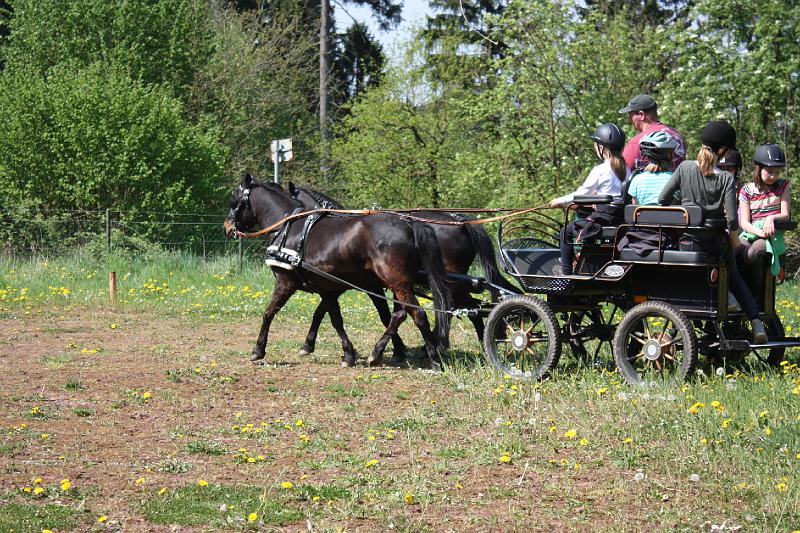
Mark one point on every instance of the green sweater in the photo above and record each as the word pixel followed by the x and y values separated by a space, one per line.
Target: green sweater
pixel 716 194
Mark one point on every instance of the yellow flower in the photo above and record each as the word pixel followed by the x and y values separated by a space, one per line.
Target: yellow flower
pixel 762 414
pixel 553 429
pixel 371 437
pixel 584 442
pixel 627 440
pixel 726 422
pixel 287 485
pixel 408 497
pixel 102 519
pixel 695 408
pixel 38 490
pixel 781 487
pixel 299 423
pixel 371 462
pixel 703 441
pixel 767 431
pixel 45 436
pixel 715 403
pixel 147 395
pixel 140 481
pixel 570 434
pixel 602 390
pixel 505 458
pixel 113 326
pixel 252 517
pixel 65 484
pixel 202 482
pixel 37 480
pixel 47 531
pixel 162 491
pixel 305 438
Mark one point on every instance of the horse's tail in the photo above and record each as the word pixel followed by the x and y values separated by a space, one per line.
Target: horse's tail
pixel 485 251
pixel 431 256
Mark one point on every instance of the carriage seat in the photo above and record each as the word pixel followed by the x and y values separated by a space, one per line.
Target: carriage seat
pixel 535 261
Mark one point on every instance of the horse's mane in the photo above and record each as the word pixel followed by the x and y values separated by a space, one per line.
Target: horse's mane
pixel 321 198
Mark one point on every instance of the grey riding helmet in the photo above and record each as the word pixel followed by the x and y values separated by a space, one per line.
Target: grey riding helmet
pixel 610 135
pixel 658 146
pixel 769 155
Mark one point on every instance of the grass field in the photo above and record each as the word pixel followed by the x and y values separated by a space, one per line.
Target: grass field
pixel 147 416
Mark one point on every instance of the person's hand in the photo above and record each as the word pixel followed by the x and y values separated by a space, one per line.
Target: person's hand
pixel 555 203
pixel 769 227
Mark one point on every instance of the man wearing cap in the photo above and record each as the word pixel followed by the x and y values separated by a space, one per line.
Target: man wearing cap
pixel 643 112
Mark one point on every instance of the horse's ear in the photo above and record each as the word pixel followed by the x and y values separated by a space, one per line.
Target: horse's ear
pixel 292 189
pixel 247 179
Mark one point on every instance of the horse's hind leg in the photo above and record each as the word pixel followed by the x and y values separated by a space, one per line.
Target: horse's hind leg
pixel 311 338
pixel 335 312
pixel 376 358
pixel 406 296
pixel 382 307
pixel 284 288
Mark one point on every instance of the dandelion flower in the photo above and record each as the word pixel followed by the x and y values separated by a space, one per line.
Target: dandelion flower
pixel 627 440
pixel 140 481
pixel 570 434
pixel 781 487
pixel 162 491
pixel 65 485
pixel 370 463
pixel 38 490
pixel 47 531
pixel 102 519
pixel 202 483
pixel 408 497
pixel 584 442
pixel 252 517
pixel 287 485
pixel 147 395
pixel 45 436
pixel 767 431
pixel 505 458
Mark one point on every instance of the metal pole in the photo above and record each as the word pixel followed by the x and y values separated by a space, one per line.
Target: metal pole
pixel 278 152
pixel 108 230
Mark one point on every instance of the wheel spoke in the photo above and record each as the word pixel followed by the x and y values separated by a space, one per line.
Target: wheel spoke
pixel 636 338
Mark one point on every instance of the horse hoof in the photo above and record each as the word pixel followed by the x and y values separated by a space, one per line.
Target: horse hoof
pixel 302 352
pixel 257 357
pixel 345 364
pixel 374 362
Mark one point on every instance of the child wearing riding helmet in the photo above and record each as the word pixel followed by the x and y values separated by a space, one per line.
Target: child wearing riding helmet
pixel 732 162
pixel 645 186
pixel 604 179
pixel 701 183
pixel 763 202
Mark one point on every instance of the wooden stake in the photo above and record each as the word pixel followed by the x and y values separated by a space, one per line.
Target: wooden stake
pixel 112 287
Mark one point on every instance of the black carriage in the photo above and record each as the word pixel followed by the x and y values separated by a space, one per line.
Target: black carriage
pixel 656 312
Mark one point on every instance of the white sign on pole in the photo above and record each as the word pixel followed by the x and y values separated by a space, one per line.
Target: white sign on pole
pixel 283 149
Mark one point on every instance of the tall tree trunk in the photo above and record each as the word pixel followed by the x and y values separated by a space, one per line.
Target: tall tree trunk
pixel 324 72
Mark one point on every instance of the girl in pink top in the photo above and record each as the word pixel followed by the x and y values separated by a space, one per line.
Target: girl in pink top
pixel 763 202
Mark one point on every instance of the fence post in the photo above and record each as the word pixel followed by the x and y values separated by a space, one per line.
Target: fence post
pixel 108 230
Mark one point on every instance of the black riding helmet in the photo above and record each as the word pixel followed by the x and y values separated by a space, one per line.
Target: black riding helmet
pixel 769 155
pixel 609 135
pixel 732 158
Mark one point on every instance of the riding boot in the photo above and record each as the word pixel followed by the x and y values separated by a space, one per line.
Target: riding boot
pixel 759 333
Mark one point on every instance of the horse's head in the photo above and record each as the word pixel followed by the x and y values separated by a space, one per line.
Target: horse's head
pixel 240 213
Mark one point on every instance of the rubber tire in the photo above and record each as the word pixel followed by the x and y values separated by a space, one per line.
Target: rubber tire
pixel 634 317
pixel 496 327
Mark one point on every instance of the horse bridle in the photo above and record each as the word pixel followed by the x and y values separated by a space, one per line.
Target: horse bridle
pixel 244 201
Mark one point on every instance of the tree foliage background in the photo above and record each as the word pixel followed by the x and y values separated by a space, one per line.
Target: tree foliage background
pixel 148 106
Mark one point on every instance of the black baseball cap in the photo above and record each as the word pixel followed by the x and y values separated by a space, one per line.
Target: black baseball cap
pixel 640 102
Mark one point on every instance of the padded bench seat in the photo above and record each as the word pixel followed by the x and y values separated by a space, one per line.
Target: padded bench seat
pixel 670 256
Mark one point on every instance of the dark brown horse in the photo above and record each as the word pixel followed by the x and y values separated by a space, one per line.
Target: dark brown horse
pixel 379 250
pixel 459 245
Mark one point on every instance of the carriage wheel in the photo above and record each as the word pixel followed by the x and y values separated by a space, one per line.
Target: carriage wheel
pixel 655 342
pixel 521 338
pixel 590 333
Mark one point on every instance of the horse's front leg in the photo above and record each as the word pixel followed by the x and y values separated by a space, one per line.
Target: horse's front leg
pixel 397 318
pixel 331 302
pixel 284 288
pixel 311 338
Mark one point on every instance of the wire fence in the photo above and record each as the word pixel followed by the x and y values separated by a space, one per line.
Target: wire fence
pixel 54 232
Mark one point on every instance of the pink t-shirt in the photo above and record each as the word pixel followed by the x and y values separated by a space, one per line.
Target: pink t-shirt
pixel 631 151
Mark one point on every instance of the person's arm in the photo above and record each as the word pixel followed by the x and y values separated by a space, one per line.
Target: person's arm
pixel 769 222
pixel 672 186
pixel 588 186
pixel 729 203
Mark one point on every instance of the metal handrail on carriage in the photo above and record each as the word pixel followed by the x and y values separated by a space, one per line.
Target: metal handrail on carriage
pixel 663 326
